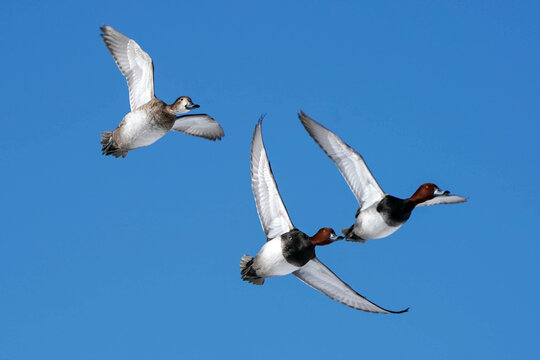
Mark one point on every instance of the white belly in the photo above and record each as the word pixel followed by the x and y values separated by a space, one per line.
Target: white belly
pixel 370 225
pixel 138 131
pixel 270 261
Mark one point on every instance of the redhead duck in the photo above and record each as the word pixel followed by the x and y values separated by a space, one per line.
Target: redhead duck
pixel 150 118
pixel 379 214
pixel 289 250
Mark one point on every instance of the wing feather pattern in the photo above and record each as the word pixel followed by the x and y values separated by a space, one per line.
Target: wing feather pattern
pixel 134 63
pixel 201 125
pixel 443 199
pixel 349 162
pixel 321 278
pixel 272 212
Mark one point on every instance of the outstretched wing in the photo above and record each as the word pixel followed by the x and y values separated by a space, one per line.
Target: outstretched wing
pixel 319 277
pixel 201 125
pixel 272 212
pixel 443 199
pixel 349 162
pixel 134 63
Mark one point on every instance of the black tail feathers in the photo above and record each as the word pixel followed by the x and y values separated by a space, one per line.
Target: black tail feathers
pixel 351 236
pixel 108 147
pixel 247 271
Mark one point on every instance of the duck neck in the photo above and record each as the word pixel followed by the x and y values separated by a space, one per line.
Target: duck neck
pixel 171 110
pixel 395 211
pixel 409 205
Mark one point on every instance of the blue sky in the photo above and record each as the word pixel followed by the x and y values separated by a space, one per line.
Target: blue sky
pixel 137 258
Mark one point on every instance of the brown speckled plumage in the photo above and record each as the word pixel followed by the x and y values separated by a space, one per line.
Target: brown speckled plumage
pixel 150 118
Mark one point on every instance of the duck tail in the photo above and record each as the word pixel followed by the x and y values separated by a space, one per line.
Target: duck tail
pixel 247 271
pixel 108 147
pixel 347 231
pixel 351 236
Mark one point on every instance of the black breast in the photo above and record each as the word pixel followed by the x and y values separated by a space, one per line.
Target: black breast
pixel 395 211
pixel 297 247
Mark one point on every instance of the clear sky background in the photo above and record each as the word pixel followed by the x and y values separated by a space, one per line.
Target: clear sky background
pixel 137 258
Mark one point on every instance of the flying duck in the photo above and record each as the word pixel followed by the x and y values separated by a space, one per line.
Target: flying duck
pixel 289 250
pixel 150 118
pixel 379 214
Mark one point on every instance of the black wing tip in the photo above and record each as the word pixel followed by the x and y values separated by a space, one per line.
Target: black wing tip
pixel 106 35
pixel 258 126
pixel 309 123
pixel 386 311
pixel 108 32
pixel 104 29
pixel 398 312
pixel 261 118
pixel 303 117
pixel 218 137
pixel 221 135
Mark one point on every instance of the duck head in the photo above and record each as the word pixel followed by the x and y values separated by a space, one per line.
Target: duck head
pixel 325 236
pixel 182 105
pixel 427 192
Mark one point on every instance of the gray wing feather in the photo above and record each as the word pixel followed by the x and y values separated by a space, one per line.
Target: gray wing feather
pixel 349 162
pixel 272 212
pixel 443 199
pixel 201 125
pixel 134 63
pixel 319 277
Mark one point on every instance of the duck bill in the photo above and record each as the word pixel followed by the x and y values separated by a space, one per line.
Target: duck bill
pixel 192 106
pixel 439 192
pixel 334 237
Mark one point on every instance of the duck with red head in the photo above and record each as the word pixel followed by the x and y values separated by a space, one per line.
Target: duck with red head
pixel 379 214
pixel 150 118
pixel 324 236
pixel 289 250
pixel 426 192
